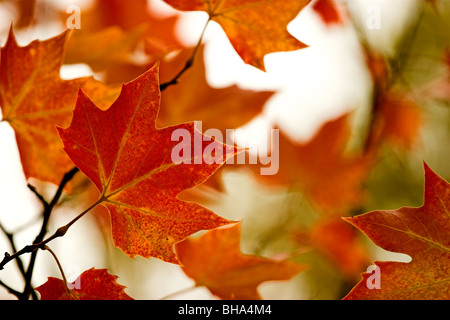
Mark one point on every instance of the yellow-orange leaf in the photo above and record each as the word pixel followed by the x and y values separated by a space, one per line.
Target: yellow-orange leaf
pixel 131 15
pixel 102 49
pixel 34 99
pixel 254 27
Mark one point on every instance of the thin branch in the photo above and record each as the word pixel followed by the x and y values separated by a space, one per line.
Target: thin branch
pixel 10 238
pixel 61 231
pixel 38 195
pixel 189 62
pixel 48 208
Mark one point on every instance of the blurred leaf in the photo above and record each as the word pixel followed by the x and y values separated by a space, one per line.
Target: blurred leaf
pixel 339 243
pixel 329 12
pixel 214 260
pixel 103 49
pixel 330 177
pixel 129 15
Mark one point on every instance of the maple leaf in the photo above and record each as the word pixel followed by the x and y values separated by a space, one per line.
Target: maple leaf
pixel 128 15
pixel 102 49
pixel 92 284
pixel 129 160
pixel 33 99
pixel 254 27
pixel 215 261
pixel 122 39
pixel 423 234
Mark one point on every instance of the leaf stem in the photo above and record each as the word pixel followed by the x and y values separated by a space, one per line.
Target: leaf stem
pixel 189 62
pixel 59 266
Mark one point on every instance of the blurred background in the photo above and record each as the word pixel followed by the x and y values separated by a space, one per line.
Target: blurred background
pixel 355 47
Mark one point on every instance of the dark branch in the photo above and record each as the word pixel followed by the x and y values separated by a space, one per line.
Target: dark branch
pixel 38 195
pixel 10 238
pixel 189 62
pixel 48 208
pixel 39 242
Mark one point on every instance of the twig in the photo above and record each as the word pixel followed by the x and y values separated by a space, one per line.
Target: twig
pixel 188 64
pixel 48 208
pixel 59 265
pixel 61 231
pixel 38 195
pixel 10 238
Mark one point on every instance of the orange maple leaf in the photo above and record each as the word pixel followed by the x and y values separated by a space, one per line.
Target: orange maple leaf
pixel 215 261
pixel 129 160
pixel 114 30
pixel 129 15
pixel 92 284
pixel 423 234
pixel 103 49
pixel 34 99
pixel 254 27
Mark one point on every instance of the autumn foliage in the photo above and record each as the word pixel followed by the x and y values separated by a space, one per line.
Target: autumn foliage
pixel 329 223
